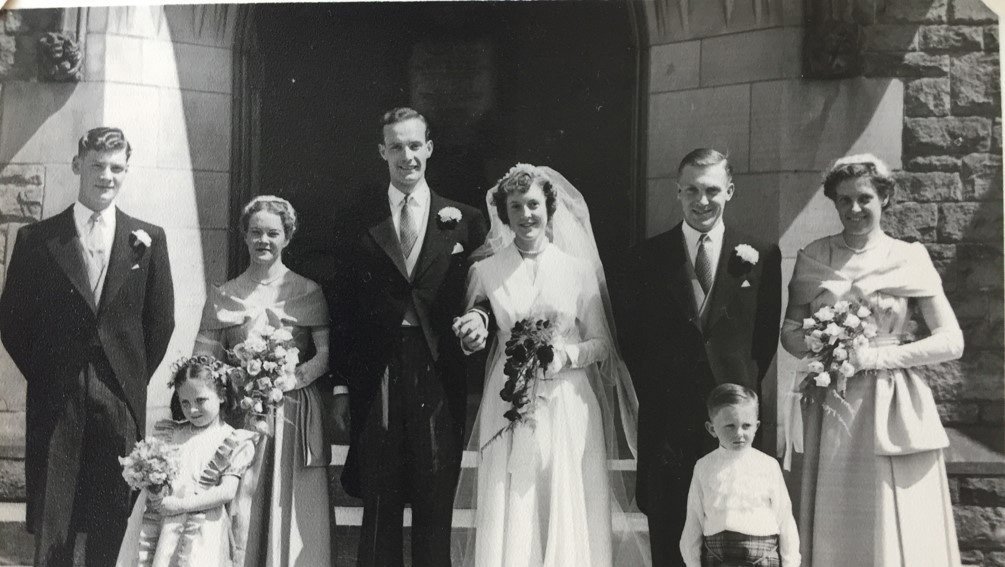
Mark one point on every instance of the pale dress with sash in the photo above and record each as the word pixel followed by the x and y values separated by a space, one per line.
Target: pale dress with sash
pixel 290 516
pixel 208 538
pixel 874 488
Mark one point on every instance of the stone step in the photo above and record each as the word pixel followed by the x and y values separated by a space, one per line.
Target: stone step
pixel 17 546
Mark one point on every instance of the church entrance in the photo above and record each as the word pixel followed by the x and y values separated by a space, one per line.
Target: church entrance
pixel 500 82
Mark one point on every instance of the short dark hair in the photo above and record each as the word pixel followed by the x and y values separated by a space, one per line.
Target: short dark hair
pixel 102 139
pixel 271 204
pixel 705 157
pixel 729 395
pixel 401 114
pixel 877 175
pixel 520 180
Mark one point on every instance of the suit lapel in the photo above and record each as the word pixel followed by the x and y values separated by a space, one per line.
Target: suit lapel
pixel 679 283
pixel 65 248
pixel 436 238
pixel 383 234
pixel 121 261
pixel 725 283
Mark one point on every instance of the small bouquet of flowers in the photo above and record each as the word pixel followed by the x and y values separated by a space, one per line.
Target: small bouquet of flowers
pixel 268 359
pixel 529 351
pixel 832 334
pixel 152 464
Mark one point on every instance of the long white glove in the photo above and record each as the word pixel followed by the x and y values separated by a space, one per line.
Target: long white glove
pixel 942 345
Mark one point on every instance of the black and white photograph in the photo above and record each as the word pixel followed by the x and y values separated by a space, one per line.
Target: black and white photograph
pixel 502 283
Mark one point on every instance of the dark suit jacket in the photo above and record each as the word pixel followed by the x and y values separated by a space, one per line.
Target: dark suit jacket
pixel 380 294
pixel 676 358
pixel 50 326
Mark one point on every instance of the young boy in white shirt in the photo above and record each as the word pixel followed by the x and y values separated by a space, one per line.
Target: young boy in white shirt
pixel 738 510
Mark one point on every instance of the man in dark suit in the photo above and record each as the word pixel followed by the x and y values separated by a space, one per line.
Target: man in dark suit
pixel 405 370
pixel 86 314
pixel 701 306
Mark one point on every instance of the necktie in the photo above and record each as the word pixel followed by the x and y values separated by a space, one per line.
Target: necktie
pixel 702 264
pixel 96 252
pixel 407 233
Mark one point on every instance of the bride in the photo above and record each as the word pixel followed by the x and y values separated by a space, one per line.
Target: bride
pixel 543 494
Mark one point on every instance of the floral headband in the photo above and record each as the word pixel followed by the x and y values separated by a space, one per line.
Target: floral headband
pixel 527 168
pixel 218 369
pixel 864 159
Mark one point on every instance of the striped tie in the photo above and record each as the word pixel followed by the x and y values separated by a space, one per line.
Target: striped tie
pixel 95 244
pixel 407 233
pixel 702 265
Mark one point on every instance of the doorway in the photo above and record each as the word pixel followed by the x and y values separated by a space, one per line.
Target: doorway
pixel 552 83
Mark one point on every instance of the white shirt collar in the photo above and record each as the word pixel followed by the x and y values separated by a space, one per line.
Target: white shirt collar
pixel 420 194
pixel 82 215
pixel 691 235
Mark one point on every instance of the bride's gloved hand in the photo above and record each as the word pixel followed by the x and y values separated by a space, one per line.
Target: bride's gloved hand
pixel 559 361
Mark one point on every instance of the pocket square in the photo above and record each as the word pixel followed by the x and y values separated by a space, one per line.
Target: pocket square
pixel 458 248
pixel 745 284
pixel 135 267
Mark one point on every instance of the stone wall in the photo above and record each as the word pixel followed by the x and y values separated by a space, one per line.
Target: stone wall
pixel 950 189
pixel 946 52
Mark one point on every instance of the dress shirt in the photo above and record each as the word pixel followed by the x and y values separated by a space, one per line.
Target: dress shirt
pixel 82 219
pixel 714 249
pixel 740 491
pixel 420 211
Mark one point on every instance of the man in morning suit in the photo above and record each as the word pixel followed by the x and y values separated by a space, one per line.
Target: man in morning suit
pixel 701 305
pixel 405 370
pixel 86 314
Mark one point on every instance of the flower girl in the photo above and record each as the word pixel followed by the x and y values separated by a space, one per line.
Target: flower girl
pixel 190 523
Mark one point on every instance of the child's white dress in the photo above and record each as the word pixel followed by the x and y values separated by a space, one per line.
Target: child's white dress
pixel 199 538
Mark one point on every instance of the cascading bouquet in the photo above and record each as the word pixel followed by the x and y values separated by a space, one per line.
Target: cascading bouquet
pixel 529 351
pixel 151 465
pixel 268 360
pixel 832 334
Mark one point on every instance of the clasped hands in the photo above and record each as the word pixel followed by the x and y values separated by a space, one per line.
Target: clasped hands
pixel 471 329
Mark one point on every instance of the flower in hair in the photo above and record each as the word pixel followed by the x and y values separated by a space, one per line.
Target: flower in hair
pixel 868 159
pixel 527 168
pixel 218 369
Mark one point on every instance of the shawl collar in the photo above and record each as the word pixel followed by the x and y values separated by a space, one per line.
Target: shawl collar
pixel 64 245
pixel 384 235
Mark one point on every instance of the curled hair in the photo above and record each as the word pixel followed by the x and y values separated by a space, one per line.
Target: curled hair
pixel 729 395
pixel 271 204
pixel 103 139
pixel 864 166
pixel 706 157
pixel 520 179
pixel 223 377
pixel 401 114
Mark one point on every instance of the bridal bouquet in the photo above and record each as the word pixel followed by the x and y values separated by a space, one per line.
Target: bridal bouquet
pixel 832 334
pixel 529 351
pixel 152 464
pixel 268 359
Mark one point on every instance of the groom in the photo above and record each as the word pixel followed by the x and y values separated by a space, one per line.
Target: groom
pixel 86 314
pixel 405 370
pixel 702 308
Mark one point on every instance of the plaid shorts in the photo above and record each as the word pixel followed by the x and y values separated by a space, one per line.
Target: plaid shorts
pixel 732 549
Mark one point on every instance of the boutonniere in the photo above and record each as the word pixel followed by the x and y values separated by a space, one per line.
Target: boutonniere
pixel 448 217
pixel 743 260
pixel 140 240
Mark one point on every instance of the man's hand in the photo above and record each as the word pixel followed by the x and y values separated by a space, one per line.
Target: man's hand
pixel 471 330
